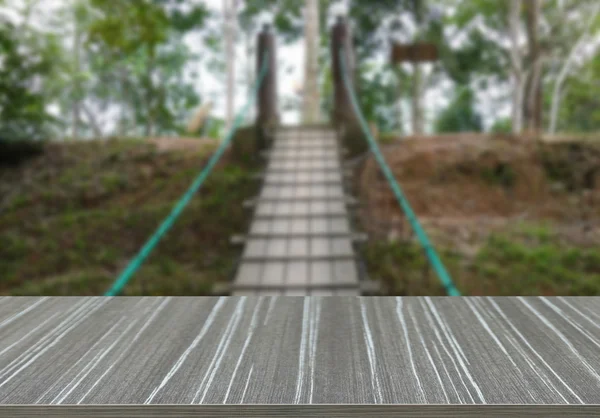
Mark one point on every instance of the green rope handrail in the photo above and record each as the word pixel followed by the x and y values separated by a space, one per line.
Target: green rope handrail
pixel 168 222
pixel 432 255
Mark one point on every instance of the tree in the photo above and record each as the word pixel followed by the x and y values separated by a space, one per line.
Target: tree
pixel 580 101
pixel 502 126
pixel 418 9
pixel 530 38
pixel 499 24
pixel 584 36
pixel 533 105
pixel 311 103
pixel 137 49
pixel 27 59
pixel 229 13
pixel 287 16
pixel 411 21
pixel 460 115
pixel 288 21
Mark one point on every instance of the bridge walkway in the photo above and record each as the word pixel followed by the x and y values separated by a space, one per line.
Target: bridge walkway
pixel 300 240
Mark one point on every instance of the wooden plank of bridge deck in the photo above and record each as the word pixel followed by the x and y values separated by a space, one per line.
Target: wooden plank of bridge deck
pixel 295 212
pixel 281 350
pixel 301 227
pixel 304 177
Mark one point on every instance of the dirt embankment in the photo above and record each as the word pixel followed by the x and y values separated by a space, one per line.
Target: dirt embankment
pixel 469 189
pixel 73 216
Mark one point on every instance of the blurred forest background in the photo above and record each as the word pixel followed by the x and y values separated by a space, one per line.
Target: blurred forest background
pixel 109 88
pixel 97 68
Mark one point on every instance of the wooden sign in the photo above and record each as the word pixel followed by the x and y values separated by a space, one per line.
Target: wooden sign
pixel 419 52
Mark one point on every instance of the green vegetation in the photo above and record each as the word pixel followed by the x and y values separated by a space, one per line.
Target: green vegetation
pixel 460 115
pixel 91 57
pixel 527 260
pixel 501 175
pixel 502 126
pixel 456 192
pixel 24 59
pixel 388 138
pixel 89 207
pixel 574 165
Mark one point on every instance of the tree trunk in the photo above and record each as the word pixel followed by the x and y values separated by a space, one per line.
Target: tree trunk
pixel 533 100
pixel 75 110
pixel 400 111
pixel 93 122
pixel 150 96
pixel 249 70
pixel 518 77
pixel 311 102
pixel 229 33
pixel 566 68
pixel 417 96
pixel 124 100
pixel 417 90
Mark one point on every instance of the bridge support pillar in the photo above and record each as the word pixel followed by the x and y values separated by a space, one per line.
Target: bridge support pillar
pixel 267 117
pixel 344 118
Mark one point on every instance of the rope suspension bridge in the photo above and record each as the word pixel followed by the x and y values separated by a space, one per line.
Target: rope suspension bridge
pixel 301 240
pixel 150 356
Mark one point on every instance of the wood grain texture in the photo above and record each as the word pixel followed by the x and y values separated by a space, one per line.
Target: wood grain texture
pixel 299 350
pixel 304 411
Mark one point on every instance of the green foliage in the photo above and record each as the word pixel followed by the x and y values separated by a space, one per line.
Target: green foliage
pixel 183 16
pixel 465 63
pixel 571 165
pixel 287 17
pixel 542 264
pixel 368 24
pixel 500 175
pixel 377 91
pixel 98 58
pixel 460 115
pixel 143 42
pixel 479 55
pixel 502 126
pixel 580 106
pixel 527 260
pixel 126 27
pixel 388 138
pixel 24 61
pixel 400 266
pixel 75 240
pixel 215 128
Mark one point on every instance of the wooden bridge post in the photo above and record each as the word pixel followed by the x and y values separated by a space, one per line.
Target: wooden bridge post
pixel 344 117
pixel 267 117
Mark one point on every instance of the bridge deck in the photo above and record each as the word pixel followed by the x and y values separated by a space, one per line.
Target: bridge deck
pixel 271 350
pixel 300 239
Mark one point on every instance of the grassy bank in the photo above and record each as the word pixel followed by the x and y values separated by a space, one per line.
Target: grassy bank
pixel 528 260
pixel 507 218
pixel 71 218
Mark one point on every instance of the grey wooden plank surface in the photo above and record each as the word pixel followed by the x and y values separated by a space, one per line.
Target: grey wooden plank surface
pixel 285 350
pixel 302 411
pixel 304 177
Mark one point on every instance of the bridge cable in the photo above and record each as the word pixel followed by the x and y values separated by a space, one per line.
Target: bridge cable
pixel 168 222
pixel 430 251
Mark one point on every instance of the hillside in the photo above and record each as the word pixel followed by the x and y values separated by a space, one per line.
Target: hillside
pixel 72 217
pixel 509 216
